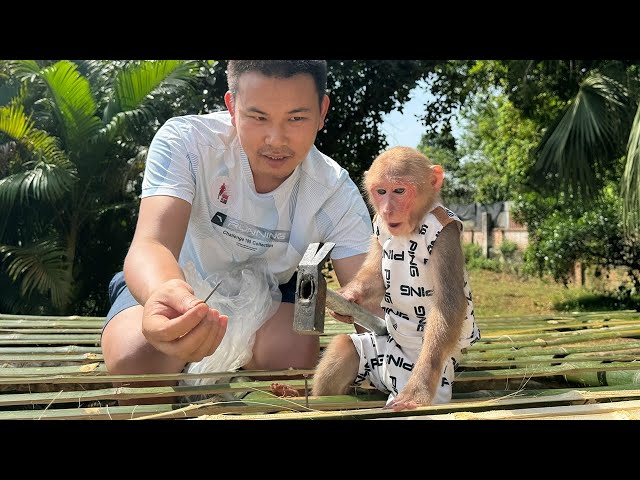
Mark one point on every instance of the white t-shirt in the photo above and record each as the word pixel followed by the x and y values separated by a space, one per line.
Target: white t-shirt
pixel 198 158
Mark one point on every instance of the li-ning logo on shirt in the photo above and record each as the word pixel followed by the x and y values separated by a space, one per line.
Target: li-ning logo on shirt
pixel 219 218
pixel 238 227
pixel 223 194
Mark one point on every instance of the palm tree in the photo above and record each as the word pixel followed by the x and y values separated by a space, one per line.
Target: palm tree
pixel 597 130
pixel 72 159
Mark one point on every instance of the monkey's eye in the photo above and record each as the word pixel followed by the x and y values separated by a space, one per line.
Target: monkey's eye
pixel 399 190
pixel 381 191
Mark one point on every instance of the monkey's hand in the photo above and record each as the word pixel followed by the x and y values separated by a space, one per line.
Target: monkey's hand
pixel 414 394
pixel 353 293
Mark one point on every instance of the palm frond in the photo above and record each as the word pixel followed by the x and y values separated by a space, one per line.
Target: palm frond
pixel 73 103
pixel 44 181
pixel 41 267
pixel 48 174
pixel 25 70
pixel 586 137
pixel 14 122
pixel 136 85
pixel 630 191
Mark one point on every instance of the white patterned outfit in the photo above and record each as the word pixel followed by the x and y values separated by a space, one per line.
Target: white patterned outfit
pixel 388 360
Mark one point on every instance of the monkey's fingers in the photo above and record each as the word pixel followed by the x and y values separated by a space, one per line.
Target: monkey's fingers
pixel 397 406
pixel 341 318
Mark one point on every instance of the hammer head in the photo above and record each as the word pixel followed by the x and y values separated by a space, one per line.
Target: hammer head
pixel 311 290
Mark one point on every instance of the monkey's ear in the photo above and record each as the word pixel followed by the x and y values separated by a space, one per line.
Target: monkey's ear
pixel 437 176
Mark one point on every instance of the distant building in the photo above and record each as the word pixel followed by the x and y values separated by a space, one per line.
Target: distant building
pixel 489 225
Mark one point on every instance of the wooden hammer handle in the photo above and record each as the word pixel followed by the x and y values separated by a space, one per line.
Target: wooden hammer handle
pixel 342 306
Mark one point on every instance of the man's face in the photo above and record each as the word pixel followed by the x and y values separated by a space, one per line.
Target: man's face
pixel 277 120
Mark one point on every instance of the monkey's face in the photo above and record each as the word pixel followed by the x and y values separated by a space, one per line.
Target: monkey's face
pixel 277 120
pixel 395 202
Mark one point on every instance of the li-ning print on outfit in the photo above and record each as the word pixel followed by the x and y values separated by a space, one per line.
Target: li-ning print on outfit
pixel 388 360
pixel 199 158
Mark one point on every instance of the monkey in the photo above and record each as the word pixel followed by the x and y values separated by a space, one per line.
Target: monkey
pixel 415 272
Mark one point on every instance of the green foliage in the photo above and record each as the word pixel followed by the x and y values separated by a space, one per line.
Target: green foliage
pixel 361 91
pixel 471 250
pixel 497 146
pixel 508 249
pixel 474 260
pixel 564 233
pixel 455 190
pixel 620 299
pixel 72 163
pixel 594 127
pixel 492 159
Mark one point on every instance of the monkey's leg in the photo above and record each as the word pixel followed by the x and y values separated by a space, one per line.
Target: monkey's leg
pixel 337 368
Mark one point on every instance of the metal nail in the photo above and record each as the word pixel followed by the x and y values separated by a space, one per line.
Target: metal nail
pixel 214 289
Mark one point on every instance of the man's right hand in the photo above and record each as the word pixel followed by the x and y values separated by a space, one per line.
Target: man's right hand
pixel 180 325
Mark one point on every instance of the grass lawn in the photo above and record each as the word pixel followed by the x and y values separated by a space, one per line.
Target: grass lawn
pixel 503 294
pixel 506 294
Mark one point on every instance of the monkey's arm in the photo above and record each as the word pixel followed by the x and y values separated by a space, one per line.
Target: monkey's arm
pixel 444 323
pixel 366 288
pixel 368 281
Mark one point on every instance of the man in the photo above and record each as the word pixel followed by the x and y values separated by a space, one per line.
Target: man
pixel 214 184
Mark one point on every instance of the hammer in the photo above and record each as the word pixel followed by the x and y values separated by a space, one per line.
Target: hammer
pixel 312 295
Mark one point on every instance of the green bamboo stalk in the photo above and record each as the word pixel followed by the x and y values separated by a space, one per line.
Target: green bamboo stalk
pixel 6 316
pixel 58 331
pixel 617 392
pixel 551 350
pixel 165 377
pixel 538 330
pixel 90 368
pixel 25 339
pixel 44 357
pixel 64 350
pixel 130 393
pixel 548 340
pixel 543 359
pixel 631 330
pixel 535 370
pixel 167 411
pixel 559 316
pixel 28 324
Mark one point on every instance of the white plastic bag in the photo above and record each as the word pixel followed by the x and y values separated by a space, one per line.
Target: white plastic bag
pixel 249 294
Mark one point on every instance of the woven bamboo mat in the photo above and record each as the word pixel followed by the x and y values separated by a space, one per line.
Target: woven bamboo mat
pixel 564 366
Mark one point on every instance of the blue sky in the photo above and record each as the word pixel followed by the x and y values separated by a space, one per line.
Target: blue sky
pixel 405 129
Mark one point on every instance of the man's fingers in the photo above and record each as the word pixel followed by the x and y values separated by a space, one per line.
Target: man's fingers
pixel 212 329
pixel 169 329
pixel 194 346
